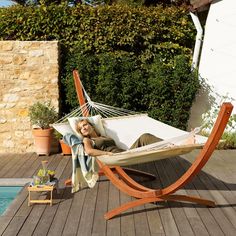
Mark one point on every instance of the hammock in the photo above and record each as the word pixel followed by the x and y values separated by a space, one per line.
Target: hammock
pixel 125 126
pixel 171 146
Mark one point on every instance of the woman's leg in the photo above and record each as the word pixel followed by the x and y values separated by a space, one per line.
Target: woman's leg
pixel 145 139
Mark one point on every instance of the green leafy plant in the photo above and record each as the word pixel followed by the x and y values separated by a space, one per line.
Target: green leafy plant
pixel 41 172
pixel 42 114
pixel 209 118
pixel 57 135
pixel 45 176
pixel 171 90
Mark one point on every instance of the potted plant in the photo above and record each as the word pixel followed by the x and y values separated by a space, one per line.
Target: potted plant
pixel 42 114
pixel 66 150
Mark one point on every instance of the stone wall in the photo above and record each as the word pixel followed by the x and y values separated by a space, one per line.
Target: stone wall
pixel 28 73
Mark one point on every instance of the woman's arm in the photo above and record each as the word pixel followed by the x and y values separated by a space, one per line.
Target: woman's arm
pixel 92 151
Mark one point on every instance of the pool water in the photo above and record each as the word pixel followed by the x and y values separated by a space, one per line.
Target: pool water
pixel 7 195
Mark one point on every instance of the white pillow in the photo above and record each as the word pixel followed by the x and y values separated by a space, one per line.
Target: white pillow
pixel 96 121
pixel 63 128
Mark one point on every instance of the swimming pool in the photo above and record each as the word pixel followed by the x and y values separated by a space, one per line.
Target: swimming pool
pixel 7 195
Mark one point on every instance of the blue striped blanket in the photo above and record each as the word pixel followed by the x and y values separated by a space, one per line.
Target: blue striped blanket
pixel 84 167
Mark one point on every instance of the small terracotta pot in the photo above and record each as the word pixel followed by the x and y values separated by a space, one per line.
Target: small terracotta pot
pixel 66 150
pixel 43 140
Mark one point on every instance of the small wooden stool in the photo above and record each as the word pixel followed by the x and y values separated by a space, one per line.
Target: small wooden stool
pixel 42 188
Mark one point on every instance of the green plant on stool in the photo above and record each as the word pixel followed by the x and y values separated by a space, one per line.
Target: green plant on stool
pixel 45 177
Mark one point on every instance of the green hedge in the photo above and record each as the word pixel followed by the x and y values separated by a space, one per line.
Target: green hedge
pixel 166 92
pixel 137 58
pixel 142 31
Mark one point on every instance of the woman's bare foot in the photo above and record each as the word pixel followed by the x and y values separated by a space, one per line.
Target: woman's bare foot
pixel 191 139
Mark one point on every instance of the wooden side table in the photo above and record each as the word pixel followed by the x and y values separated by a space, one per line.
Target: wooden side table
pixel 42 188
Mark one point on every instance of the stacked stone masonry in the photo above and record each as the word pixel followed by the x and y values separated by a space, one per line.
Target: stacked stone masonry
pixel 28 73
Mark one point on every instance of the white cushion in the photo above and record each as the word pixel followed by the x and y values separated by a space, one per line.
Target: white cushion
pixel 96 121
pixel 63 128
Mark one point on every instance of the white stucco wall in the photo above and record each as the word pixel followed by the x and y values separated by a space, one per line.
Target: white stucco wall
pixel 218 57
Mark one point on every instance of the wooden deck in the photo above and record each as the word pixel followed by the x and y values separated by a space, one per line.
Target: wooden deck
pixel 82 213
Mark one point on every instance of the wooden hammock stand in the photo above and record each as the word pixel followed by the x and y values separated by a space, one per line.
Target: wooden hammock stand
pixel 143 195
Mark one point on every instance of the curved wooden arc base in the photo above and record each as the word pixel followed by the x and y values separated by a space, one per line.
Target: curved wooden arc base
pixel 142 201
pixel 146 195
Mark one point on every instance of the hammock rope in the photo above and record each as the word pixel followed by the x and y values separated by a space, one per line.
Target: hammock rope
pixel 94 108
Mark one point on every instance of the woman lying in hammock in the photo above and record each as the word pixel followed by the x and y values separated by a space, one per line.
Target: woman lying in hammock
pixel 96 145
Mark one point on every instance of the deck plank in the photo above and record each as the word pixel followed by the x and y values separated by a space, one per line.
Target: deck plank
pixel 167 218
pixel 190 210
pixel 205 214
pixel 177 208
pixel 38 209
pixel 17 166
pixel 33 167
pixel 217 223
pixel 87 216
pixel 153 215
pixel 127 218
pixel 71 213
pixel 4 222
pixel 27 165
pixel 12 162
pixel 113 226
pixel 45 222
pixel 46 219
pixel 62 212
pixel 134 221
pixel 4 159
pixel 14 227
pixel 99 226
pixel 74 216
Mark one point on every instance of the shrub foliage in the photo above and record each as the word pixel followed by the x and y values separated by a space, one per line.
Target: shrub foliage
pixel 136 58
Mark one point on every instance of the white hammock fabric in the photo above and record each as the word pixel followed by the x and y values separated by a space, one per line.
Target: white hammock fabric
pixel 125 127
pixel 138 157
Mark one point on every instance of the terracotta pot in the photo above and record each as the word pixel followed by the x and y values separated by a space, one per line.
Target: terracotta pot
pixel 66 150
pixel 43 140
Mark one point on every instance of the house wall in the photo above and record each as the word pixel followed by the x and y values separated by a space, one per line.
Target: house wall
pixel 218 58
pixel 28 73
